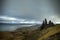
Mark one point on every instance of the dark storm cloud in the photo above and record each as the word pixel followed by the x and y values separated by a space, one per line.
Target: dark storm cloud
pixel 1 6
pixel 56 5
pixel 32 9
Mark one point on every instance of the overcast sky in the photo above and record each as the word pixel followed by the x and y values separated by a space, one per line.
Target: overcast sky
pixel 32 9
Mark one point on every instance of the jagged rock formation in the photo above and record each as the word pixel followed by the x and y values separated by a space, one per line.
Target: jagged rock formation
pixel 51 23
pixel 45 21
pixel 45 24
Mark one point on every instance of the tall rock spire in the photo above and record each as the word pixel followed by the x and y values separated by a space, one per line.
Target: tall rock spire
pixel 45 21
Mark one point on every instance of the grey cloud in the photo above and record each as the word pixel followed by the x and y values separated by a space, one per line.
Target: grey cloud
pixel 31 9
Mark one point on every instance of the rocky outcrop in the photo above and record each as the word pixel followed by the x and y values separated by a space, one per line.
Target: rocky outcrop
pixel 51 23
pixel 46 25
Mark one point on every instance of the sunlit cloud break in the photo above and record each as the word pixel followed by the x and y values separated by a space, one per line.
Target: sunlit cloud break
pixel 7 19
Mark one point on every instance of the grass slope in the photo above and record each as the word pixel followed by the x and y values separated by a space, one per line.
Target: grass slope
pixel 37 34
pixel 49 32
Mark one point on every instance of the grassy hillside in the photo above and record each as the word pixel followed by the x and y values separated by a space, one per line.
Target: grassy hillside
pixel 48 33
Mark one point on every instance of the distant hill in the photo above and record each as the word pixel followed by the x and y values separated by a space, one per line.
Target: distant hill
pixel 33 27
